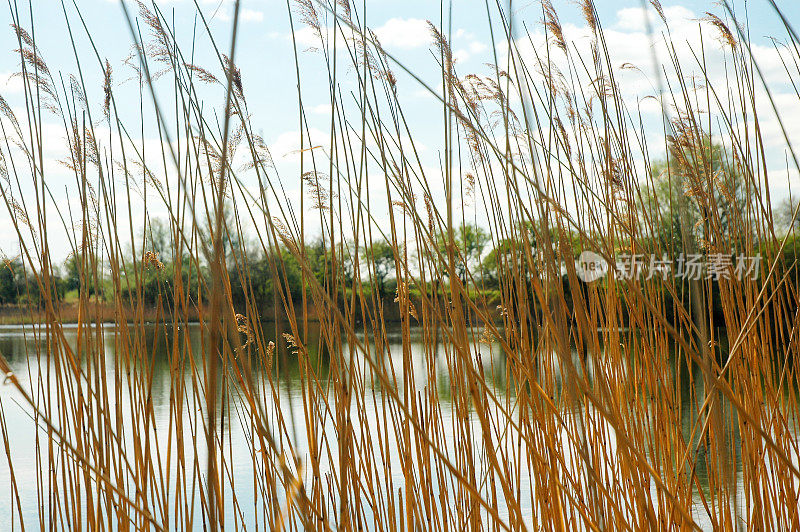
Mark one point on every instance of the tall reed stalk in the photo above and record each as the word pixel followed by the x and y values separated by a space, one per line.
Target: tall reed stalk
pixel 522 395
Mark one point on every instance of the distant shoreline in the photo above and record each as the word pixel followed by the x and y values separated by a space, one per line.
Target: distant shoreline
pixel 107 312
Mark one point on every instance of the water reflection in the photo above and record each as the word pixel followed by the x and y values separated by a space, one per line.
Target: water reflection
pixel 417 361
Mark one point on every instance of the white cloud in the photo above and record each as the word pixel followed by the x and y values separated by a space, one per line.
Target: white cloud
pixel 287 145
pixel 221 15
pixel 476 47
pixel 635 18
pixel 251 15
pixel 460 55
pixel 306 36
pixel 321 109
pixel 65 196
pixel 629 43
pixel 404 33
pixel 10 84
pixel 410 33
pixel 224 14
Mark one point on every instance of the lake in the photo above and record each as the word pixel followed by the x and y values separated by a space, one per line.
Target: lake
pixel 420 368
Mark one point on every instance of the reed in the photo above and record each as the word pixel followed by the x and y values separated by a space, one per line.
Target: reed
pixel 389 362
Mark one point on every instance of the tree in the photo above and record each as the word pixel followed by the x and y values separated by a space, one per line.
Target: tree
pixel 10 281
pixel 232 242
pixel 698 192
pixel 72 273
pixel 470 241
pixel 784 213
pixel 381 254
pixel 498 261
pixel 320 257
pixel 72 276
pixel 159 239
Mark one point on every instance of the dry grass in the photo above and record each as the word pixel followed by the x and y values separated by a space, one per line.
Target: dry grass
pixel 592 430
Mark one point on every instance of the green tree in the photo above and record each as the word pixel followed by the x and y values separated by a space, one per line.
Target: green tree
pixel 159 239
pixel 697 192
pixel 381 254
pixel 72 273
pixel 71 279
pixel 10 281
pixel 232 240
pixel 470 241
pixel 783 215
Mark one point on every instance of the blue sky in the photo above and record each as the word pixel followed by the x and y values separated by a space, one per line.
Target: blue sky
pixel 264 55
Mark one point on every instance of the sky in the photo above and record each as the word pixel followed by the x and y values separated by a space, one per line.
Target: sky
pixel 265 58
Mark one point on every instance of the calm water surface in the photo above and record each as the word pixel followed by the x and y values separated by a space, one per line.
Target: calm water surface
pixel 20 346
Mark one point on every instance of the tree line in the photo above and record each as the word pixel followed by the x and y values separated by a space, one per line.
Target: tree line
pixel 671 209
